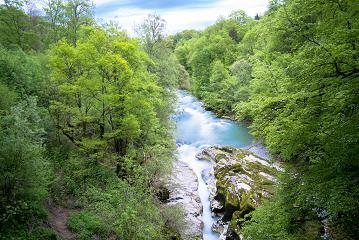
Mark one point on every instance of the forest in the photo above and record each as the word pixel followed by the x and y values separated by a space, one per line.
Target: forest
pixel 86 129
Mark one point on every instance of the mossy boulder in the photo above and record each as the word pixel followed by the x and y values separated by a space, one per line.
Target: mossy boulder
pixel 243 180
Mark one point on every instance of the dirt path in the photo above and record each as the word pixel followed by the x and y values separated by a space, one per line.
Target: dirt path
pixel 57 220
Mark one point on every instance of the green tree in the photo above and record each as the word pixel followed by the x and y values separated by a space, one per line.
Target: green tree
pixel 15 28
pixel 217 43
pixel 302 101
pixel 213 96
pixel 55 16
pixel 104 97
pixel 77 13
pixel 151 32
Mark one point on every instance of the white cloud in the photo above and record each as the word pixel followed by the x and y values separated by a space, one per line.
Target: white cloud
pixel 179 19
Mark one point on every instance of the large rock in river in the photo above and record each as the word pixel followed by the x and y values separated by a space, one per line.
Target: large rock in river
pixel 183 191
pixel 243 179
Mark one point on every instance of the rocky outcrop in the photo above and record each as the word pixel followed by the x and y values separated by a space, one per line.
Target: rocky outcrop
pixel 183 190
pixel 242 181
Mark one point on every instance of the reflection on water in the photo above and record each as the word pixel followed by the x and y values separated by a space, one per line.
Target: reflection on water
pixel 197 128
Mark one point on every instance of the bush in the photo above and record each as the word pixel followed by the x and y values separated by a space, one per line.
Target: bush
pixel 86 224
pixel 128 209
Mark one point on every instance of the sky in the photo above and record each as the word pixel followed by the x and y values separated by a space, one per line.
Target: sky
pixel 179 14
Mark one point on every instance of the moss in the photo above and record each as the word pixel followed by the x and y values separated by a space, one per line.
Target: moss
pixel 219 156
pixel 232 200
pixel 266 185
pixel 171 233
pixel 227 149
pixel 236 220
pixel 234 224
pixel 247 204
pixel 240 155
pixel 236 216
pixel 221 190
pixel 237 168
pixel 238 204
pixel 231 204
pixel 255 167
pixel 220 173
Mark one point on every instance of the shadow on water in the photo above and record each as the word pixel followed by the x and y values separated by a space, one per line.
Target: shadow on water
pixel 196 129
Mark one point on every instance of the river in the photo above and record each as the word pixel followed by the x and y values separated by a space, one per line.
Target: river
pixel 196 129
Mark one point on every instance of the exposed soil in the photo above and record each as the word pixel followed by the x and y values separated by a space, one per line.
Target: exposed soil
pixel 57 220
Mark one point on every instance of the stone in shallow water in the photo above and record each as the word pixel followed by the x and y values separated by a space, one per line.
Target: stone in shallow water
pixel 217 206
pixel 218 227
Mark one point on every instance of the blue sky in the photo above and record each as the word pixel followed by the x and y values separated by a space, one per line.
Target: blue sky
pixel 143 4
pixel 179 15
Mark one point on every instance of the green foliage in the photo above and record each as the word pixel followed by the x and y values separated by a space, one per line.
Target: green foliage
pixel 86 224
pixel 183 36
pixel 20 232
pixel 128 210
pixel 294 75
pixel 208 55
pixel 285 216
pixel 113 102
pixel 214 95
pixel 108 137
pixel 17 29
pixel 76 13
pixel 114 114
pixel 151 32
pixel 174 221
pixel 170 74
pixel 24 171
pixel 267 222
pixel 117 208
pixel 7 99
pixel 22 73
pixel 183 77
pixel 33 31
